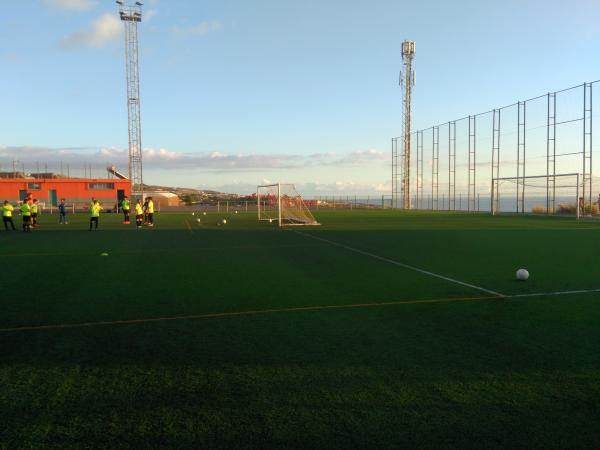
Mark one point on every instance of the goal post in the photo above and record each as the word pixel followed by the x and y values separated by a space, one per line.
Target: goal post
pixel 281 203
pixel 558 195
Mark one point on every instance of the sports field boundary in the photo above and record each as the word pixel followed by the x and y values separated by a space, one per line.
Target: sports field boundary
pixel 403 265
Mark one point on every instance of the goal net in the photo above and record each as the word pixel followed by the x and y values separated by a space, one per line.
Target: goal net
pixel 281 203
pixel 544 195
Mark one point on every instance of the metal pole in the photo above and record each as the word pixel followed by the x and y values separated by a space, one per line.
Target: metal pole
pixel 578 211
pixel 279 201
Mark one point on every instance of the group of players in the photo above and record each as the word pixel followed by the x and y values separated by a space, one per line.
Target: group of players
pixel 144 213
pixel 29 212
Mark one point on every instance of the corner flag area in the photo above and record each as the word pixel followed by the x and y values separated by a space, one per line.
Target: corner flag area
pixel 377 329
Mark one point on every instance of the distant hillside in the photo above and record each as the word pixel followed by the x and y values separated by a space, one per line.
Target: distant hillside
pixel 189 195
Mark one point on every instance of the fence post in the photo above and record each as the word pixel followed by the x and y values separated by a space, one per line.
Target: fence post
pixel 218 206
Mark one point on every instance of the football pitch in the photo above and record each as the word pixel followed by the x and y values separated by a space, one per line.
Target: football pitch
pixel 378 329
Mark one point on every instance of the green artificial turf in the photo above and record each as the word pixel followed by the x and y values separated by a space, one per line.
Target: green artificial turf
pixel 393 364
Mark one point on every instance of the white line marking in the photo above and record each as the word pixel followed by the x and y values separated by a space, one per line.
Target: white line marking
pixel 187 224
pixel 555 294
pixel 405 266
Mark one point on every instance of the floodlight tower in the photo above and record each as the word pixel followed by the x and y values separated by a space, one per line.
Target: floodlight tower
pixel 407 81
pixel 131 15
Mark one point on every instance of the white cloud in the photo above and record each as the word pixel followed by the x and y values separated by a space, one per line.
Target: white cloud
pixel 77 5
pixel 199 30
pixel 310 189
pixel 104 30
pixel 207 162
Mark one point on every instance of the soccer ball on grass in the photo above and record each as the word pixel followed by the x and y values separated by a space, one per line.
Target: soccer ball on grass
pixel 522 275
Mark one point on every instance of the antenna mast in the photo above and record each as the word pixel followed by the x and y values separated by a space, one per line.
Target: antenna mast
pixel 407 81
pixel 131 15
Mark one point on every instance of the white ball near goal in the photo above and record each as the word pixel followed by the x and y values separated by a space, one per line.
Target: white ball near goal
pixel 522 275
pixel 198 220
pixel 224 221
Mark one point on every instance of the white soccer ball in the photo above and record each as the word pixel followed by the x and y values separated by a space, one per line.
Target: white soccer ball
pixel 270 220
pixel 522 274
pixel 236 212
pixel 224 221
pixel 198 220
pixel 204 213
pixel 193 214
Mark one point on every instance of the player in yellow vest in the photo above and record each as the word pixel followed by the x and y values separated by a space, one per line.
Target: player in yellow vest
pixel 34 212
pixel 26 213
pixel 150 212
pixel 95 209
pixel 7 211
pixel 126 207
pixel 139 214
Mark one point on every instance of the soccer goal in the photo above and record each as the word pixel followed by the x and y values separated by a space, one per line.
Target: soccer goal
pixel 544 195
pixel 281 203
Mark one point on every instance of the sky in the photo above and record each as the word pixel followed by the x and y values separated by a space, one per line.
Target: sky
pixel 238 92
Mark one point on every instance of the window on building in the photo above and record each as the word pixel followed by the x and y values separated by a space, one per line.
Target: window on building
pixel 34 186
pixel 104 186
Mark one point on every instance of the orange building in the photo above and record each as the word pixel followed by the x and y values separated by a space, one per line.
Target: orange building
pixel 76 191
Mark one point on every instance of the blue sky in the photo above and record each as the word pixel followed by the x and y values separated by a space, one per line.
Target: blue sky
pixel 236 91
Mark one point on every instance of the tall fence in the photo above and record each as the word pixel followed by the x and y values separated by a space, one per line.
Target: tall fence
pixel 314 203
pixel 459 164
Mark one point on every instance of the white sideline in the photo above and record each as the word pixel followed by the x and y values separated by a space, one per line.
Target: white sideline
pixel 405 266
pixel 555 294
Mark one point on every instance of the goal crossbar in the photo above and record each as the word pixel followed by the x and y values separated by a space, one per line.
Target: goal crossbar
pixel 552 183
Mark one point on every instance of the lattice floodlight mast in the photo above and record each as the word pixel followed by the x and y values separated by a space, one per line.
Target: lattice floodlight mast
pixel 407 81
pixel 131 15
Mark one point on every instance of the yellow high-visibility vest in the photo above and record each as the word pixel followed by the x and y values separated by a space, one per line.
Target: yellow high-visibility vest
pixel 26 210
pixel 138 209
pixel 7 210
pixel 95 210
pixel 150 207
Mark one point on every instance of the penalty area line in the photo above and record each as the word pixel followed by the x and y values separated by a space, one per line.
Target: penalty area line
pixel 245 313
pixel 259 312
pixel 405 266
